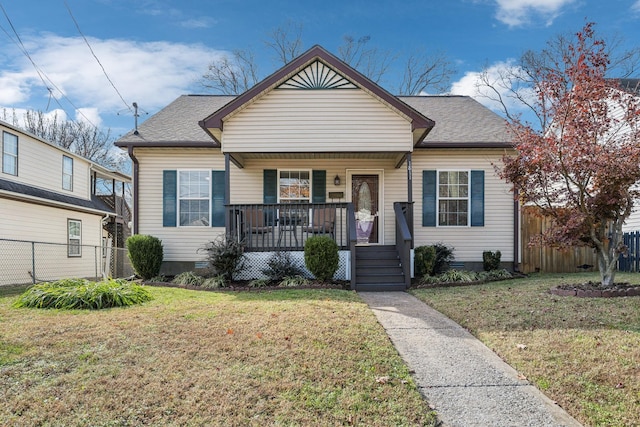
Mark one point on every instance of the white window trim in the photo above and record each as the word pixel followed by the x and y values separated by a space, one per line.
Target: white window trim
pixel 178 198
pixel 468 225
pixel 6 153
pixel 296 170
pixel 66 174
pixel 70 238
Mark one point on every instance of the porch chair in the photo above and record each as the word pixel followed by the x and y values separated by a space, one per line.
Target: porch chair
pixel 322 222
pixel 255 223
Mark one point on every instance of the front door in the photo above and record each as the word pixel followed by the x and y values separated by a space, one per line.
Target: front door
pixel 365 198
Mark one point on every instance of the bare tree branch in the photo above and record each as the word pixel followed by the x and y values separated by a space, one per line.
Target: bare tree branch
pixel 232 75
pixel 286 42
pixel 423 71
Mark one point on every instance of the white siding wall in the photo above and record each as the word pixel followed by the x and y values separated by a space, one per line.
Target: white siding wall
pixel 316 121
pixel 40 165
pixel 30 222
pixel 469 242
pixel 180 243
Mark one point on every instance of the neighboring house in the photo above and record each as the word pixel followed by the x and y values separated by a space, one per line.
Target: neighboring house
pixel 50 195
pixel 317 148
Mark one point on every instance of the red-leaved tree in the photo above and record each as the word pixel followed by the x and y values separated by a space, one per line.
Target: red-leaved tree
pixel 583 170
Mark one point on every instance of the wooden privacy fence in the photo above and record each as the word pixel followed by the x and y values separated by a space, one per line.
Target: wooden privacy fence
pixel 631 260
pixel 546 259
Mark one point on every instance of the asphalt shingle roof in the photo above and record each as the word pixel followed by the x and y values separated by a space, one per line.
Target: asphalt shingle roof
pixel 95 203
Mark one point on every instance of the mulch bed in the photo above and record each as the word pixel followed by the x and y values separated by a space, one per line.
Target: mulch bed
pixel 244 286
pixel 595 290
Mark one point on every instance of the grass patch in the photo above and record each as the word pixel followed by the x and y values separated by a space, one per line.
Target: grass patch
pixel 72 294
pixel 286 357
pixel 583 353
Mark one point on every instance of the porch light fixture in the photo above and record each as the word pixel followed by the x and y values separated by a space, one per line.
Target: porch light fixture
pixel 336 180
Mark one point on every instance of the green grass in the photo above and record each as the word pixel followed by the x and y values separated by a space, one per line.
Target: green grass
pixel 583 353
pixel 287 357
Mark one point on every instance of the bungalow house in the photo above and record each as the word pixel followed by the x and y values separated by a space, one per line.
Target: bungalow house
pixel 317 148
pixel 53 215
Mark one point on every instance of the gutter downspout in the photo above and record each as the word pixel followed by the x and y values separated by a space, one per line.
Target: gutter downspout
pixel 516 235
pixel 136 169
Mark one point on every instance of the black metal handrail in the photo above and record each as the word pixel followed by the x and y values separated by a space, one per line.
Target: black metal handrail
pixel 403 239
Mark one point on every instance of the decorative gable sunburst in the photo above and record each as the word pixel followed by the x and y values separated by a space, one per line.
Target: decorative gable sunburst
pixel 317 75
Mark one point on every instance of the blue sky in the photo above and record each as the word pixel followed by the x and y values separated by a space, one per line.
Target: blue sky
pixel 156 50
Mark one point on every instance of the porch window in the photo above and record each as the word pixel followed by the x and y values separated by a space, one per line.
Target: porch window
pixel 194 198
pixel 294 186
pixel 453 198
pixel 74 243
pixel 9 153
pixel 67 173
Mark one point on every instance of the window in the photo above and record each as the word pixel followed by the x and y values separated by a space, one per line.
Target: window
pixel 294 186
pixel 74 228
pixel 453 198
pixel 67 173
pixel 9 153
pixel 194 198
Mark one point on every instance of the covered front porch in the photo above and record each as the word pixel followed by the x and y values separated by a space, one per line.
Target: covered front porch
pixel 274 227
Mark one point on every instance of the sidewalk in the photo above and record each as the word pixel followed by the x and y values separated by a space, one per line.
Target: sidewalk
pixel 466 383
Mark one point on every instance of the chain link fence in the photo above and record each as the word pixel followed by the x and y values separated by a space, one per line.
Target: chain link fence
pixel 27 262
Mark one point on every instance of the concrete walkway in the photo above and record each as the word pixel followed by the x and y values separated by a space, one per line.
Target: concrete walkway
pixel 466 383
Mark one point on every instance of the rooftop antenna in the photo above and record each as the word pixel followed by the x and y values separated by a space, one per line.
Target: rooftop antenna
pixel 135 117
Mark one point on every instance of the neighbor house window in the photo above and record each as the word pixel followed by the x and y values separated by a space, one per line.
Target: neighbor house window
pixel 194 193
pixel 74 228
pixel 9 153
pixel 67 173
pixel 294 186
pixel 453 198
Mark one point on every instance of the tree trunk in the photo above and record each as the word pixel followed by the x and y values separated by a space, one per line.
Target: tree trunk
pixel 607 268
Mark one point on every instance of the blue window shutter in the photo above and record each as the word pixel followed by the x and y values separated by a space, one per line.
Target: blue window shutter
pixel 270 186
pixel 429 198
pixel 270 194
pixel 218 188
pixel 477 198
pixel 169 200
pixel 319 189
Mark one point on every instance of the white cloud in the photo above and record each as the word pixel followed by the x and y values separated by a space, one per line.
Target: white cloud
pixel 472 84
pixel 516 13
pixel 150 73
pixel 636 6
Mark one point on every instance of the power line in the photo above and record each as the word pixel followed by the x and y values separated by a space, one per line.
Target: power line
pixel 95 56
pixel 48 83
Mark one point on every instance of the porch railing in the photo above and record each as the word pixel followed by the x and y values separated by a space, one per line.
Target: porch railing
pixel 403 238
pixel 287 226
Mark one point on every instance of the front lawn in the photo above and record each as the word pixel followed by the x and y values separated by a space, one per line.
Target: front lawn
pixel 286 357
pixel 584 353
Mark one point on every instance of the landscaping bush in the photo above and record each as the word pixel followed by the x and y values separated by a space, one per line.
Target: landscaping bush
pixel 225 257
pixel 424 260
pixel 444 255
pixel 83 294
pixel 214 282
pixel 321 257
pixel 293 281
pixel 280 265
pixel 491 260
pixel 188 278
pixel 145 253
pixel 463 276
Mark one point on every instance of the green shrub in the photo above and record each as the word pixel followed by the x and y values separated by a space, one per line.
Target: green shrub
pixel 145 253
pixel 225 256
pixel 83 294
pixel 321 257
pixel 214 282
pixel 424 260
pixel 188 278
pixel 444 255
pixel 293 281
pixel 491 260
pixel 259 283
pixel 280 265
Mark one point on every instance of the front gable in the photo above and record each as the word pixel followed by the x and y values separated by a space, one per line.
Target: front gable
pixel 318 103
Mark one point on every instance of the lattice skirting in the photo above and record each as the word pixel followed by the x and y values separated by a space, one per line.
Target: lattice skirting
pixel 255 262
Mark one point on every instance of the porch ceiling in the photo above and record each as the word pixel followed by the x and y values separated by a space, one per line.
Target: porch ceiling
pixel 240 158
